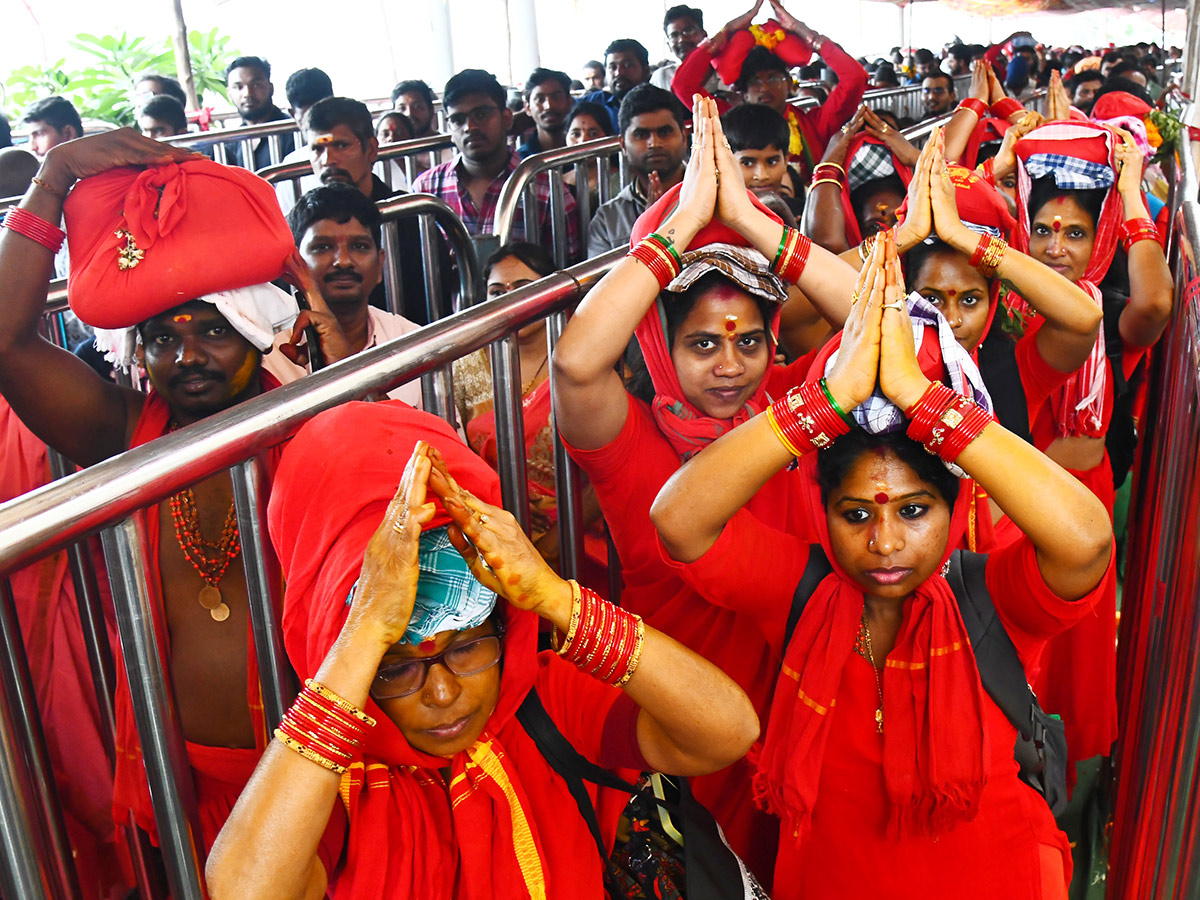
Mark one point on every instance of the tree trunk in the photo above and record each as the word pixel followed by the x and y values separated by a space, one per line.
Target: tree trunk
pixel 183 57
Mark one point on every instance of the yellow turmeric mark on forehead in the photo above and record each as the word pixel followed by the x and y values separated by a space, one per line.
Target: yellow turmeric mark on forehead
pixel 182 317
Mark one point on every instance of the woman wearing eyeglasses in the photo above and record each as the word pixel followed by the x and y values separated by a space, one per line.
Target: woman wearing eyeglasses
pixel 401 770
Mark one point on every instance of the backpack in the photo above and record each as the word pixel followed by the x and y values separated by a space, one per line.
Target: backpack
pixel 711 870
pixel 1041 747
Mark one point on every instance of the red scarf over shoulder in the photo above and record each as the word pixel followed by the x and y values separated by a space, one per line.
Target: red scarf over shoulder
pixel 509 830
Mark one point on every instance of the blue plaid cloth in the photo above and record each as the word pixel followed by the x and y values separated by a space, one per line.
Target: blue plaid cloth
pixel 878 415
pixel 448 596
pixel 1070 173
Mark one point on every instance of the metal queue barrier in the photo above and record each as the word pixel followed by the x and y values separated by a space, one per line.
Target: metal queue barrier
pixel 906 101
pixel 282 137
pixel 164 748
pixel 406 154
pixel 518 192
pixel 109 496
pixel 920 132
pixel 1155 849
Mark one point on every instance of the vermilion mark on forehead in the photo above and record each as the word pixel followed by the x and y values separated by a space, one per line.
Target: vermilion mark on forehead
pixel 427 645
pixel 952 293
pixel 1057 223
pixel 731 322
pixel 182 317
pixel 881 498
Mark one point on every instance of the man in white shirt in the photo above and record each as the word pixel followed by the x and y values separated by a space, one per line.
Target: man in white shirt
pixel 337 230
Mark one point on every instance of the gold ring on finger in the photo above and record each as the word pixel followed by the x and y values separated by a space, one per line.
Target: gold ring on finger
pixel 483 519
pixel 398 527
pixel 854 298
pixel 899 304
pixel 885 129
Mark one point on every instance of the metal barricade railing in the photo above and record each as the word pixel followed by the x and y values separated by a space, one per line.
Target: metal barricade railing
pixel 518 191
pixel 282 137
pixel 405 153
pixel 920 132
pixel 110 494
pixel 905 101
pixel 1156 842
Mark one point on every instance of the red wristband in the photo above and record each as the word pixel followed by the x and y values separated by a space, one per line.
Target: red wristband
pixel 975 105
pixel 1002 109
pixel 34 227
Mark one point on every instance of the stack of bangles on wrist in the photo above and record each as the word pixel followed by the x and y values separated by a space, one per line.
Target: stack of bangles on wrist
pixel 868 244
pixel 1003 109
pixel 808 418
pixel 828 173
pixel 659 255
pixel 976 106
pixel 792 255
pixel 1134 230
pixel 603 640
pixel 34 227
pixel 945 422
pixel 988 254
pixel 324 728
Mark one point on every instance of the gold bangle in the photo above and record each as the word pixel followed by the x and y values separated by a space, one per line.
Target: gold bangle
pixel 576 609
pixel 45 186
pixel 865 248
pixel 340 702
pixel 783 439
pixel 825 181
pixel 637 652
pixel 837 166
pixel 308 754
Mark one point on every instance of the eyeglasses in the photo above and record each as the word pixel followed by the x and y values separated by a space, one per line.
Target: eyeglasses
pixel 480 115
pixel 936 91
pixel 769 80
pixel 690 31
pixel 408 677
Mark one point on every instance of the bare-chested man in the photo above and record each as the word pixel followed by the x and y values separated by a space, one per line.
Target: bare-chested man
pixel 198 364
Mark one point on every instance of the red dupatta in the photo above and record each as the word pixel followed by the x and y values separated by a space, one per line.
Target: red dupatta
pixel 499 834
pixel 681 423
pixel 868 151
pixel 935 738
pixel 1078 406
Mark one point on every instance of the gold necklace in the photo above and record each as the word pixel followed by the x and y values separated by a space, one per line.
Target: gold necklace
pixel 530 383
pixel 862 646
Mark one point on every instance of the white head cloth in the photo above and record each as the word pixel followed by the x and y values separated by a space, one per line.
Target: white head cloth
pixel 256 313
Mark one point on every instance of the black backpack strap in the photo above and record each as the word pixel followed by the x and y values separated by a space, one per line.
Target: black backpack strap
pixel 574 768
pixel 1000 667
pixel 713 870
pixel 1041 747
pixel 815 570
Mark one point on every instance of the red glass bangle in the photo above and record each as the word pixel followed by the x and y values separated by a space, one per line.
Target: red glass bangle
pixel 1002 109
pixel 985 241
pixel 945 422
pixel 792 256
pixel 807 419
pixel 657 259
pixel 975 105
pixel 34 227
pixel 1133 230
pixel 609 643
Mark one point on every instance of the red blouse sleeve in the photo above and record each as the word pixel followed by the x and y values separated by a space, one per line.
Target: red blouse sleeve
pixel 843 100
pixel 735 573
pixel 1030 610
pixel 1038 378
pixel 690 77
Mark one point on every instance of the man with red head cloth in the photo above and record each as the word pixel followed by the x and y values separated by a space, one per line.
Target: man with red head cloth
pixel 152 272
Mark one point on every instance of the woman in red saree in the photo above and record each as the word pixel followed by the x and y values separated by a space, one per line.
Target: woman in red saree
pixel 889 765
pixel 512 266
pixel 390 608
pixel 707 338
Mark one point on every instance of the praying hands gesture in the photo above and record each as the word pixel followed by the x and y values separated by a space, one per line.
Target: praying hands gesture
pixel 734 25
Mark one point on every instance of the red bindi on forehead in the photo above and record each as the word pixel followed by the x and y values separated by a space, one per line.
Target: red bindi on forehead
pixel 427 646
pixel 182 317
pixel 881 498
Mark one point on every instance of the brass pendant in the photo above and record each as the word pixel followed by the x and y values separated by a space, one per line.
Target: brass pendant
pixel 221 612
pixel 210 597
pixel 878 718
